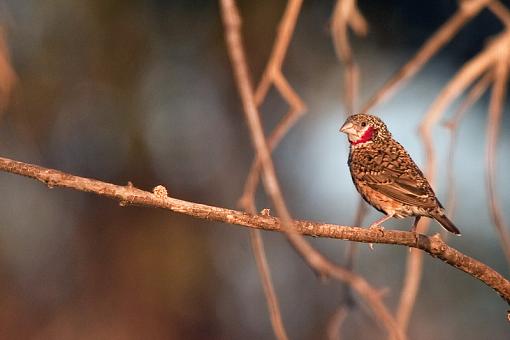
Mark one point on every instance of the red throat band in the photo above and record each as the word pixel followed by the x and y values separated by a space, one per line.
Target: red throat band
pixel 366 136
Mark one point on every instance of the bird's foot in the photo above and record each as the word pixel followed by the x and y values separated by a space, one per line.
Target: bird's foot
pixel 415 224
pixel 377 227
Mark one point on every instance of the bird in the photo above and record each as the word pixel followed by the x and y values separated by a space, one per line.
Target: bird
pixel 386 176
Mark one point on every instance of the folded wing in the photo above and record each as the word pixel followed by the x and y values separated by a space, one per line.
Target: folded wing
pixel 402 187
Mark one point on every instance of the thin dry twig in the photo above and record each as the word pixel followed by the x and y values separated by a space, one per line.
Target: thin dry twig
pixel 273 75
pixel 453 126
pixel 445 33
pixel 336 321
pixel 267 283
pixel 130 195
pixel 282 41
pixel 361 211
pixel 500 11
pixel 345 15
pixel 411 284
pixel 316 261
pixel 495 115
pixel 466 11
pixel 7 75
pixel 466 75
pixel 252 180
pixel 259 253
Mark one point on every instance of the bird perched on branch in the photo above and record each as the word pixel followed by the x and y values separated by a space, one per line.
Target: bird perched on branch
pixel 386 176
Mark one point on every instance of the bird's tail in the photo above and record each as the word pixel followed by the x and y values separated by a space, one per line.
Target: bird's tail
pixel 446 223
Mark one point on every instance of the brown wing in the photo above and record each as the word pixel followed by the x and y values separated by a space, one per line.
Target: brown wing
pixel 394 174
pixel 401 188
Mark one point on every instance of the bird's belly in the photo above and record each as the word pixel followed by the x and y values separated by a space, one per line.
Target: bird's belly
pixel 386 204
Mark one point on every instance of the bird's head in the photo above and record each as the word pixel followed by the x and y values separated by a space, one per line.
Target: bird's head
pixel 364 129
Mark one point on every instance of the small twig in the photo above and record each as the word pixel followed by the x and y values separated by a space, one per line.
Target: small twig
pixel 500 11
pixel 361 212
pixel 273 75
pixel 336 321
pixel 252 180
pixel 493 124
pixel 453 126
pixel 345 15
pixel 466 11
pixel 411 284
pixel 464 77
pixel 348 303
pixel 314 259
pixel 267 283
pixel 259 253
pixel 7 75
pixel 280 47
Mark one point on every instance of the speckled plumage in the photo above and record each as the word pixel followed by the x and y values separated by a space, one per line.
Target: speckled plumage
pixel 386 176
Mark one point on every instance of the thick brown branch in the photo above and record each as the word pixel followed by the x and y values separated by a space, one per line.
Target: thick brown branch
pixel 129 195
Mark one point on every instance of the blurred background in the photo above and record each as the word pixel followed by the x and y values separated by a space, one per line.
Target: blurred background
pixel 143 91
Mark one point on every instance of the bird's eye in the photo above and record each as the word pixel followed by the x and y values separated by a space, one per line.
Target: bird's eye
pixel 363 124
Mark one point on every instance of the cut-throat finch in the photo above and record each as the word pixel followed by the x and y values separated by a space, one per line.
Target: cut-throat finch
pixel 386 176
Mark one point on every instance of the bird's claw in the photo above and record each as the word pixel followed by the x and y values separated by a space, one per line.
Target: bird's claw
pixel 376 227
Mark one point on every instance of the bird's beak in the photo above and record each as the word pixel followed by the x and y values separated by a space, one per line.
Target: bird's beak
pixel 348 128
